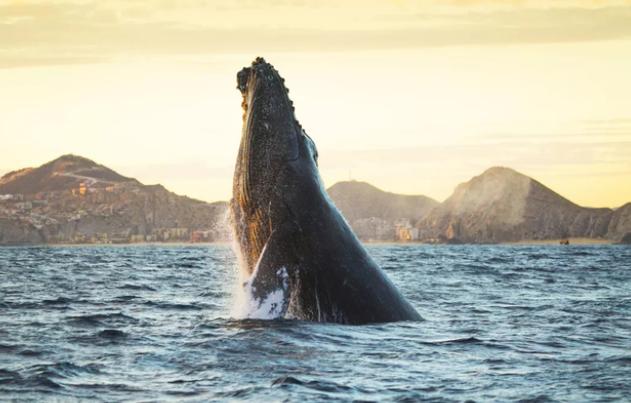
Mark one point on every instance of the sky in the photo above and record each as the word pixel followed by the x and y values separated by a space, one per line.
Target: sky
pixel 411 96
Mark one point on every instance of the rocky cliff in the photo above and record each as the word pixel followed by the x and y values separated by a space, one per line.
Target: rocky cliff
pixel 619 228
pixel 75 200
pixel 63 173
pixel 502 205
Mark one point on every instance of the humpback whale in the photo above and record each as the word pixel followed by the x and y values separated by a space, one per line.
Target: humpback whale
pixel 299 255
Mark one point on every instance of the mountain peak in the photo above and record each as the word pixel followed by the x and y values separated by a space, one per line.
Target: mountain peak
pixel 73 199
pixel 63 173
pixel 357 200
pixel 502 204
pixel 69 163
pixel 354 185
pixel 72 158
pixel 501 171
pixel 492 186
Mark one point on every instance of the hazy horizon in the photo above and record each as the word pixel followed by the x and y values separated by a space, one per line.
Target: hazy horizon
pixel 413 97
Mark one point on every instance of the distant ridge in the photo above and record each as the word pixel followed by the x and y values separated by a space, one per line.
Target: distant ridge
pixel 360 200
pixel 376 215
pixel 73 199
pixel 503 205
pixel 62 173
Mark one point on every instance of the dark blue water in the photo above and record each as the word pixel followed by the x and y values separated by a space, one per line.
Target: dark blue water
pixel 505 323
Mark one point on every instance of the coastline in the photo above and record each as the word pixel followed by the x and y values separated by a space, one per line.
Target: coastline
pixel 70 245
pixel 542 242
pixel 573 241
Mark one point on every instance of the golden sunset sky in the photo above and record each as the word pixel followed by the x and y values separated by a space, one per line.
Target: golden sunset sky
pixel 411 96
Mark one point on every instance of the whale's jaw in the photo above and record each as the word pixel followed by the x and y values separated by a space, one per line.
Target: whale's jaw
pixel 269 140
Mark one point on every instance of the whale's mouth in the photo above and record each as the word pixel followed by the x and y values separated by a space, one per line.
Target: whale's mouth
pixel 262 82
pixel 269 140
pixel 242 79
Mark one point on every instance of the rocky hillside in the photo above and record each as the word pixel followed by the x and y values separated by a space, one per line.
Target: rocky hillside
pixel 620 225
pixel 75 200
pixel 377 215
pixel 66 172
pixel 502 205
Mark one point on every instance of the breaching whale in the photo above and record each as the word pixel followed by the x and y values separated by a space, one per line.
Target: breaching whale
pixel 302 259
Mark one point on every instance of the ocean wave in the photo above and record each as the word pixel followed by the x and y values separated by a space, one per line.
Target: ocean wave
pixel 101 319
pixel 499 326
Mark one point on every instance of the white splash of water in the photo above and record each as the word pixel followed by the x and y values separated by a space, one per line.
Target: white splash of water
pixel 271 306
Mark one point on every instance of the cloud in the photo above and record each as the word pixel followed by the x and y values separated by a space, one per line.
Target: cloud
pixel 17 61
pixel 69 32
pixel 615 130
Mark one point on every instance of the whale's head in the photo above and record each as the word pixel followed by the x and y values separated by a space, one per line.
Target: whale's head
pixel 274 150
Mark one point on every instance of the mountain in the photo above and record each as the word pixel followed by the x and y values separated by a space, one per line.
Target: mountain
pixel 378 215
pixel 63 173
pixel 620 224
pixel 75 200
pixel 360 200
pixel 503 205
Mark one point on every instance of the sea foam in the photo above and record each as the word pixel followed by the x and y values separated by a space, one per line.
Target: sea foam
pixel 271 306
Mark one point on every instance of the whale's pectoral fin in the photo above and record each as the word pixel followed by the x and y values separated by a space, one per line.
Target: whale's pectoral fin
pixel 275 267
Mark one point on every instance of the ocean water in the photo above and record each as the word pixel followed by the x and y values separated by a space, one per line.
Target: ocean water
pixel 147 323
